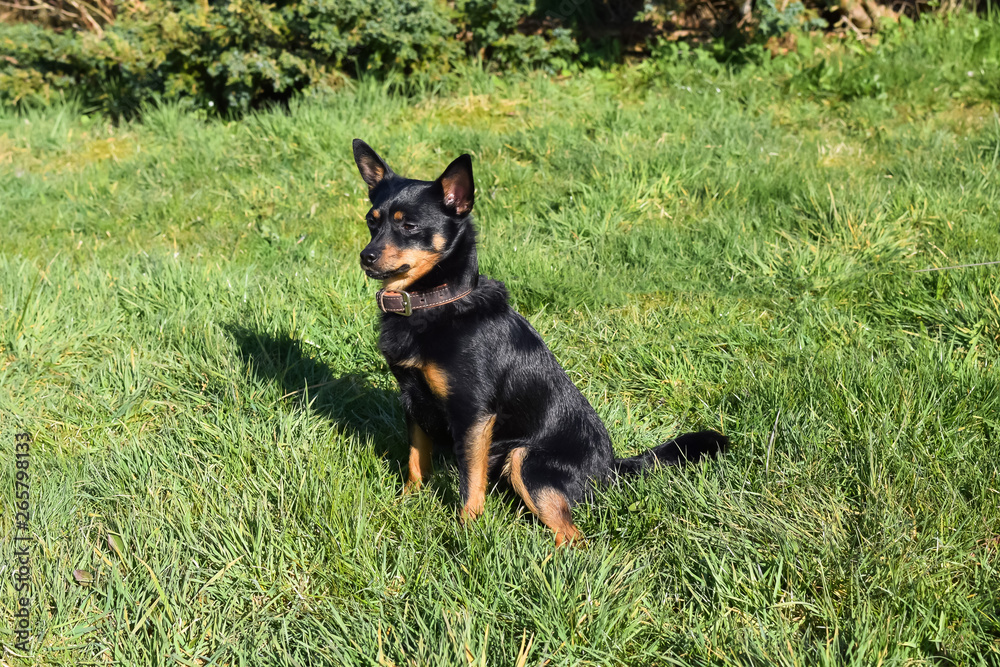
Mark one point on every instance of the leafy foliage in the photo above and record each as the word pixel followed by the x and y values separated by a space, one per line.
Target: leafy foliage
pixel 774 21
pixel 36 62
pixel 239 54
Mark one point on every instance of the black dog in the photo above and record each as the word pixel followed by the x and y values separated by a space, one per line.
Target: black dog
pixel 473 374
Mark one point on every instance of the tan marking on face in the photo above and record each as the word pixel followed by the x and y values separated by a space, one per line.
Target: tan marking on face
pixel 478 441
pixel 436 378
pixel 439 242
pixel 549 505
pixel 398 215
pixel 420 466
pixel 376 214
pixel 420 262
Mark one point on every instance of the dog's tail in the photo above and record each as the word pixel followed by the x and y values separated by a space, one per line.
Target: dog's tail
pixel 685 448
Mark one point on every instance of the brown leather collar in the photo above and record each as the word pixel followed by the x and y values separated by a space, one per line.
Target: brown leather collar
pixel 404 303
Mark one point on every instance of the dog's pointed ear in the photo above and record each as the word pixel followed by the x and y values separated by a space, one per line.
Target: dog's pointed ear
pixel 456 182
pixel 373 168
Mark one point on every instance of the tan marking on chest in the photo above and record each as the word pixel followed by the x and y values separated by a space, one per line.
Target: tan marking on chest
pixel 437 379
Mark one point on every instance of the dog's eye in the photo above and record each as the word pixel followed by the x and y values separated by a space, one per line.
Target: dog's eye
pixel 408 226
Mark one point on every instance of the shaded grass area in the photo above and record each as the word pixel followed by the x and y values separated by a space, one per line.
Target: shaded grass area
pixel 185 331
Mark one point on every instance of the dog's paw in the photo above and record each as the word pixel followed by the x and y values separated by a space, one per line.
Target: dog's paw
pixel 468 514
pixel 573 538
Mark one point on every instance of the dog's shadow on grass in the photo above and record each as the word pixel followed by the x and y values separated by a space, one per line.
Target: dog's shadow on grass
pixel 349 400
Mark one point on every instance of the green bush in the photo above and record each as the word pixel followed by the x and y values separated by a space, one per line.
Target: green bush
pixel 36 63
pixel 774 21
pixel 235 55
pixel 492 27
pixel 242 53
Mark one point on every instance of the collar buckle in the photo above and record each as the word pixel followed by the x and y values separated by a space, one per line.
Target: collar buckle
pixel 404 300
pixel 407 304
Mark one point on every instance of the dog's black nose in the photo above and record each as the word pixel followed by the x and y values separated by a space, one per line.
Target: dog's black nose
pixel 369 257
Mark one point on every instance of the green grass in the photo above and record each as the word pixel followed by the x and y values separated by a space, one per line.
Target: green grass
pixel 186 332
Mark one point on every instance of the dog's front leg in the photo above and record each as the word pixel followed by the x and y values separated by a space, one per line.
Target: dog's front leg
pixel 473 465
pixel 416 402
pixel 420 466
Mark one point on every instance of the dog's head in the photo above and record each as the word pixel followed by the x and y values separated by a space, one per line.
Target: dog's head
pixel 413 223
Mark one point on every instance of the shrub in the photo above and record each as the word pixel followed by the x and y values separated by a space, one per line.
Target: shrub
pixel 235 55
pixel 242 53
pixel 36 63
pixel 494 32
